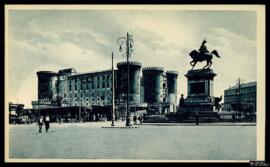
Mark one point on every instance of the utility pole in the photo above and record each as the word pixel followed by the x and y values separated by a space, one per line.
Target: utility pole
pixel 113 111
pixel 128 109
pixel 128 41
pixel 239 96
pixel 80 110
pixel 80 107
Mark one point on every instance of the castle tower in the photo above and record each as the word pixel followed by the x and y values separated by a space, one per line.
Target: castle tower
pixel 46 84
pixel 134 81
pixel 152 77
pixel 172 89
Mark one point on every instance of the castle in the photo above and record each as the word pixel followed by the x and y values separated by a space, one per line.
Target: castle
pixel 151 89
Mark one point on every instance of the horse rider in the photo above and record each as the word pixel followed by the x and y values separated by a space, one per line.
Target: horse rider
pixel 203 49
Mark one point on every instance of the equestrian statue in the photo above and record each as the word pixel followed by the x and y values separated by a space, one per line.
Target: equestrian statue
pixel 203 55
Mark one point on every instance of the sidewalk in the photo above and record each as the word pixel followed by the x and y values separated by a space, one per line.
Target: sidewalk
pixel 92 124
pixel 81 124
pixel 204 124
pixel 123 124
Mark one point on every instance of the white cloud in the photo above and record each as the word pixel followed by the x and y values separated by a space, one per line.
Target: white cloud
pixel 85 39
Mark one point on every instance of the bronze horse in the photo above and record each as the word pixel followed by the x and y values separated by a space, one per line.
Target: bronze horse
pixel 197 56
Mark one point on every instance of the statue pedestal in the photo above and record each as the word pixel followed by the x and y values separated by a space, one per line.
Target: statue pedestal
pixel 200 91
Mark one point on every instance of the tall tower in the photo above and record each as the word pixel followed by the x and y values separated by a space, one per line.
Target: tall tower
pixel 172 89
pixel 47 85
pixel 134 81
pixel 152 78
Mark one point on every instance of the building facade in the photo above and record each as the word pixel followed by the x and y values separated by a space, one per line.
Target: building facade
pixel 242 96
pixel 67 88
pixel 16 111
pixel 70 88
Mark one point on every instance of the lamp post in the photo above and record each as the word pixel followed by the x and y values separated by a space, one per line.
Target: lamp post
pixel 113 111
pixel 80 111
pixel 128 41
pixel 239 98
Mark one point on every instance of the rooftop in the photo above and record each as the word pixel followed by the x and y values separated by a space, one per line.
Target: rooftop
pixel 92 72
pixel 244 85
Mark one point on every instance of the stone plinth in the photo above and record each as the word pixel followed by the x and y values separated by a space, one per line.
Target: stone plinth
pixel 200 91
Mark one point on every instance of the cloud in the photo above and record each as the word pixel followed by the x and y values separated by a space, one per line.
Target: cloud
pixel 52 40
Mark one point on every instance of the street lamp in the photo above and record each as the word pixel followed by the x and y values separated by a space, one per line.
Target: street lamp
pixel 239 98
pixel 128 41
pixel 113 107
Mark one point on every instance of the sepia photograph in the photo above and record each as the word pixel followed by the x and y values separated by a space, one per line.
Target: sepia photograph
pixel 134 83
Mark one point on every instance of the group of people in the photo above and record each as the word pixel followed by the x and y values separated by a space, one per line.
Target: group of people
pixel 44 120
pixel 135 118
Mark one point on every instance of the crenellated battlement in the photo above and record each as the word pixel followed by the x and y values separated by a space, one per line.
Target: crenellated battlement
pixel 47 73
pixel 153 69
pixel 130 63
pixel 172 72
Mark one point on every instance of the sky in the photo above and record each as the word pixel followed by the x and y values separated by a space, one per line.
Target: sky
pixel 50 40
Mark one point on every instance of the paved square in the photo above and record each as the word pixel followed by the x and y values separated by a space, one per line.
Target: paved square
pixel 90 141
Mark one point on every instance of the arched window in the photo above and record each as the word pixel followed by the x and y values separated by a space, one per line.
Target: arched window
pixel 164 85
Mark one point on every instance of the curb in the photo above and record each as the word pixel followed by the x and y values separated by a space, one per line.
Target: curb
pixel 201 124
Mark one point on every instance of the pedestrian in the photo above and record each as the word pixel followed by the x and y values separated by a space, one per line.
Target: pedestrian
pixel 40 123
pixel 47 122
pixel 197 118
pixel 140 119
pixel 233 117
pixel 59 119
pixel 135 119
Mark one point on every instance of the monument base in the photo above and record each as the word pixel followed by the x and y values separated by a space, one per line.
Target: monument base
pixel 202 107
pixel 188 117
pixel 200 91
pixel 198 104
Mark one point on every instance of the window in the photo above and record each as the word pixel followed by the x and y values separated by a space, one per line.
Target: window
pixel 164 85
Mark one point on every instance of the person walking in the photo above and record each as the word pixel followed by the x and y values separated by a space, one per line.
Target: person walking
pixel 47 122
pixel 135 119
pixel 59 119
pixel 140 119
pixel 40 123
